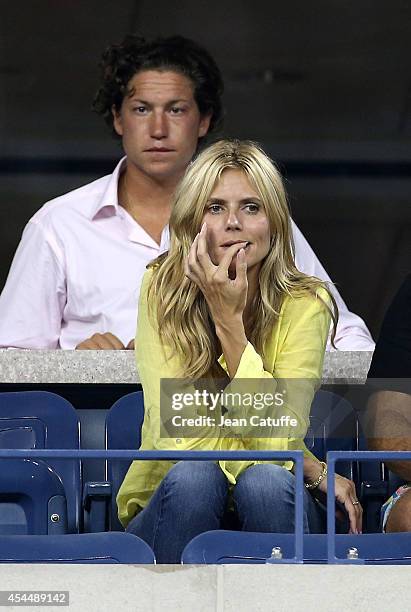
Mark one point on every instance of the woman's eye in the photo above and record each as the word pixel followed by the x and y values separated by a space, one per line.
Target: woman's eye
pixel 215 208
pixel 251 207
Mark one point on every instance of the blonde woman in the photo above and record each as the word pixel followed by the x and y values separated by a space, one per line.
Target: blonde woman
pixel 227 300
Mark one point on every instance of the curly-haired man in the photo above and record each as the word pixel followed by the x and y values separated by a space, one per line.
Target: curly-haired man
pixel 75 278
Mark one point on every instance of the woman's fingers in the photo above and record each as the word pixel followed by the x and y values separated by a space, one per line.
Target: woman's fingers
pixel 199 263
pixel 241 268
pixel 191 274
pixel 203 257
pixel 231 252
pixel 356 509
pixel 191 268
pixel 346 494
pixel 192 254
pixel 354 515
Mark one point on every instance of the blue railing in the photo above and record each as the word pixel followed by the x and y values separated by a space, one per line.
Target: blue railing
pixel 296 456
pixel 332 458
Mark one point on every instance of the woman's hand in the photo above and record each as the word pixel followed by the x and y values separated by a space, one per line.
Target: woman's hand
pixel 226 298
pixel 345 493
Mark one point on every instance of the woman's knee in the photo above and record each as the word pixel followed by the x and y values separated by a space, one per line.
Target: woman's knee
pixel 196 478
pixel 264 499
pixel 265 479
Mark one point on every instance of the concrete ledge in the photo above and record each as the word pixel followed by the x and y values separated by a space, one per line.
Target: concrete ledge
pixel 118 367
pixel 230 588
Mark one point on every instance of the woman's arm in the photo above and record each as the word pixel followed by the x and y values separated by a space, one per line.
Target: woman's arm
pixel 345 492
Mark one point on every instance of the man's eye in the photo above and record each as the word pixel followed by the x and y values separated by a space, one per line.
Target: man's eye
pixel 177 110
pixel 140 109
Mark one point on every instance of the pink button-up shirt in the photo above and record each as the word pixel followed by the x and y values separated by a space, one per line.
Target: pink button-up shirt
pixel 77 271
pixel 79 266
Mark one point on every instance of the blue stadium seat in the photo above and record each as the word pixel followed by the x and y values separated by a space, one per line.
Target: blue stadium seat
pixel 228 547
pixel 332 427
pixel 373 486
pixel 123 432
pixel 378 483
pixel 43 420
pixel 75 548
pixel 32 499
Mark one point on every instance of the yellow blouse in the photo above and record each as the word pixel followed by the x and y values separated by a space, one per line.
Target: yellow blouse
pixel 294 351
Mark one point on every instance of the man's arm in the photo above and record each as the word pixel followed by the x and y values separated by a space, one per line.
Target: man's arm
pixel 33 299
pixel 104 342
pixel 388 427
pixel 352 333
pixel 388 423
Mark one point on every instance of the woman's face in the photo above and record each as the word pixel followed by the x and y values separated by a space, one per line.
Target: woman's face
pixel 234 213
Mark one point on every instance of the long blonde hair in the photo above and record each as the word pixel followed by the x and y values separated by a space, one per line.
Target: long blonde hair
pixel 178 305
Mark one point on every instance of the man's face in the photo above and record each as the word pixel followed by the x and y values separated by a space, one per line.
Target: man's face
pixel 160 124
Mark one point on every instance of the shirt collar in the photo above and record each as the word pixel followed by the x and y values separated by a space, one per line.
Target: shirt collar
pixel 107 204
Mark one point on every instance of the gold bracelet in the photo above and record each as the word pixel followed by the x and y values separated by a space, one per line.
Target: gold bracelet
pixel 316 483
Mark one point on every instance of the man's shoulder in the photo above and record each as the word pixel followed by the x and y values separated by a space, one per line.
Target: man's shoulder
pixel 405 290
pixel 398 315
pixel 79 199
pixel 392 355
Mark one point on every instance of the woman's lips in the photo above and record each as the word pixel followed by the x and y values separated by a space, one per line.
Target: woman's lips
pixel 227 245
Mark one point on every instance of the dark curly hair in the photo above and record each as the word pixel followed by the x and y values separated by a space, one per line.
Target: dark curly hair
pixel 121 62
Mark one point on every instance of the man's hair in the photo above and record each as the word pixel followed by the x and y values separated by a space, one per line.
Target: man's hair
pixel 120 62
pixel 178 305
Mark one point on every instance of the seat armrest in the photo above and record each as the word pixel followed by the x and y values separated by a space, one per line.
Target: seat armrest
pixel 373 494
pixel 375 489
pixel 96 502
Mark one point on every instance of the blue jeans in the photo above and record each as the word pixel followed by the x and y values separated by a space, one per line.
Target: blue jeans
pixel 192 498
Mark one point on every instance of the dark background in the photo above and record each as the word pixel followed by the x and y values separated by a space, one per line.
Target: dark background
pixel 324 86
